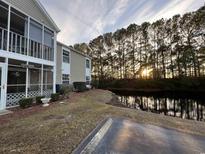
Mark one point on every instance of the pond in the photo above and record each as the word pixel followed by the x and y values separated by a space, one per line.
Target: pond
pixel 186 106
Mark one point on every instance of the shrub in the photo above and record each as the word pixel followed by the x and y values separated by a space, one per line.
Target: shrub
pixel 64 90
pixel 95 83
pixel 25 102
pixel 55 97
pixel 38 99
pixel 80 86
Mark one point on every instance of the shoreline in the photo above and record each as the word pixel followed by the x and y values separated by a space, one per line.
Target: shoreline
pixel 155 90
pixel 172 94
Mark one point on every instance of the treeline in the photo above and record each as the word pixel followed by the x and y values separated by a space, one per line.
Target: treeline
pixel 167 48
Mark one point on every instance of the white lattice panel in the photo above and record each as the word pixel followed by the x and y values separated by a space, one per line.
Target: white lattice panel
pixel 13 98
pixel 34 93
pixel 47 93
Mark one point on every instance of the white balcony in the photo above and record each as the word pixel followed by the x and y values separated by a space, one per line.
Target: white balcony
pixel 26 36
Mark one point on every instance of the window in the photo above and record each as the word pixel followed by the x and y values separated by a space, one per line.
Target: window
pixel 66 56
pixel 87 80
pixel 65 78
pixel 87 63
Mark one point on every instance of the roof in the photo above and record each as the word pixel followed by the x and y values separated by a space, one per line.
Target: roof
pixel 71 48
pixel 47 14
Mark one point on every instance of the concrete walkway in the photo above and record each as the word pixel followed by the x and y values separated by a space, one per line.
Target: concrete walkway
pixel 120 136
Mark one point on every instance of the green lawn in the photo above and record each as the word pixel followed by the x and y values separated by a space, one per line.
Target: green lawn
pixel 61 127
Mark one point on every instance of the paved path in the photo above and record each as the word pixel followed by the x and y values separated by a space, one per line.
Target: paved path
pixel 118 136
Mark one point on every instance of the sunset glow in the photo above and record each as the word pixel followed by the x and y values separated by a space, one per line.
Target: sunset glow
pixel 146 72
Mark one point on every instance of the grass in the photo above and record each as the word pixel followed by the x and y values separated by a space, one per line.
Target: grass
pixel 61 127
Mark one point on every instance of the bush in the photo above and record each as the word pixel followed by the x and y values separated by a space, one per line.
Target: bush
pixel 95 83
pixel 55 97
pixel 80 86
pixel 25 102
pixel 38 99
pixel 64 90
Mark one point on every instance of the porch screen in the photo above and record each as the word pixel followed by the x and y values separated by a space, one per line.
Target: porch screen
pixel 48 38
pixel 35 31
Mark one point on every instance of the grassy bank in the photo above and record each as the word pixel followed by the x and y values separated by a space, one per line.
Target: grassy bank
pixel 61 127
pixel 179 84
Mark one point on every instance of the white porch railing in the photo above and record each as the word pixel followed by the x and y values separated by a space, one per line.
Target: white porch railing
pixel 3 39
pixel 35 49
pixel 18 44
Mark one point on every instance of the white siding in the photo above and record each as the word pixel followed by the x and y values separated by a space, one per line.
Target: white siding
pixel 31 8
pixel 66 68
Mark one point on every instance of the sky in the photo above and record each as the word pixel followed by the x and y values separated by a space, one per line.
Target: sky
pixel 83 20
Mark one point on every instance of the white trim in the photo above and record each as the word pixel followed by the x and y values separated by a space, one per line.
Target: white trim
pixel 42 79
pixel 8 28
pixel 27 80
pixel 65 48
pixel 47 14
pixel 42 48
pixel 55 59
pixel 3 86
pixel 65 67
pixel 21 57
pixel 87 70
pixel 28 36
pixel 6 79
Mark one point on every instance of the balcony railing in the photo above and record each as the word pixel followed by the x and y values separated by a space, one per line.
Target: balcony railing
pixel 18 44
pixel 3 39
pixel 35 49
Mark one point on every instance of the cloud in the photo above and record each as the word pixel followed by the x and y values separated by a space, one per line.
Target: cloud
pixel 174 7
pixel 82 20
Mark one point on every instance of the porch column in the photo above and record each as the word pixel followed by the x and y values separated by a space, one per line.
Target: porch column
pixel 5 85
pixel 42 80
pixel 54 59
pixel 28 39
pixel 42 48
pixel 27 76
pixel 8 28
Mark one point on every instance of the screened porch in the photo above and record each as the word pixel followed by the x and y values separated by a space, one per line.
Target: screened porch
pixel 27 79
pixel 23 35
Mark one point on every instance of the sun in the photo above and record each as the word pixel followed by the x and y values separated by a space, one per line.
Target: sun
pixel 146 72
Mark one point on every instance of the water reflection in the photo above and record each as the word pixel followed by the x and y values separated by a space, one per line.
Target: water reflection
pixel 182 108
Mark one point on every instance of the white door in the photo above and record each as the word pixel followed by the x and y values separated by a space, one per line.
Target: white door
pixel 2 86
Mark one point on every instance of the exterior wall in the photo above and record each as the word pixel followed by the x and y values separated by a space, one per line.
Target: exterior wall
pixel 59 64
pixel 31 8
pixel 77 67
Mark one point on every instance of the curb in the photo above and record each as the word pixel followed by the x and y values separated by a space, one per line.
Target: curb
pixel 90 142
